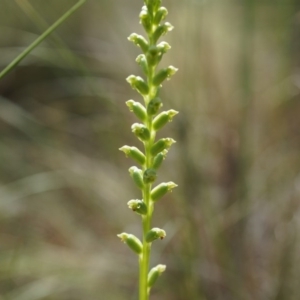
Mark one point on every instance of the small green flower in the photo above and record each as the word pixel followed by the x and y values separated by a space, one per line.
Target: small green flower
pixel 138 109
pixel 137 176
pixel 160 15
pixel 154 274
pixel 154 105
pixel 161 145
pixel 159 158
pixel 132 241
pixel 138 83
pixel 163 118
pixel 164 74
pixel 134 153
pixel 138 206
pixel 155 234
pixel 149 176
pixel 162 30
pixel 159 191
pixel 140 41
pixel 141 131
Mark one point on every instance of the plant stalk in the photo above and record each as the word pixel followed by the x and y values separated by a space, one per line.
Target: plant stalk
pixel 43 36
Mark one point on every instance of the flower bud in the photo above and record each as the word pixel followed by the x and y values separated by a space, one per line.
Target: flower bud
pixel 142 61
pixel 158 159
pixel 140 41
pixel 138 83
pixel 134 153
pixel 164 74
pixel 138 109
pixel 138 206
pixel 163 118
pixel 154 274
pixel 154 234
pixel 160 190
pixel 160 15
pixel 154 105
pixel 149 176
pixel 137 176
pixel 153 5
pixel 163 47
pixel 161 145
pixel 132 241
pixel 141 131
pixel 145 19
pixel 162 30
pixel 154 55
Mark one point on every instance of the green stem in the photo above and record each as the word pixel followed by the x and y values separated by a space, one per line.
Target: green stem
pixel 145 257
pixel 43 36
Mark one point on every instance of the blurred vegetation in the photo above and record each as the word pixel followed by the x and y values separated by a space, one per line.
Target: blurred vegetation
pixel 234 220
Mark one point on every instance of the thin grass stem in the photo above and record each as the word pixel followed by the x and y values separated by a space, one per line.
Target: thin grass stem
pixel 41 38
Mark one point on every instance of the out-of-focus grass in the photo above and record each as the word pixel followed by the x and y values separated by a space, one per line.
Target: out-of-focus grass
pixel 234 221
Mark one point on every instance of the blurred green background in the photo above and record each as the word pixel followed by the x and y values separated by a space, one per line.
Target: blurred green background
pixel 233 222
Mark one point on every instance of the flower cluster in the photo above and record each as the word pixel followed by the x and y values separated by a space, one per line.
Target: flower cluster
pixel 151 120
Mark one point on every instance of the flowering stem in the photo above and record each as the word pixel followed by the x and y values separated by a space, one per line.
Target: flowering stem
pixel 154 151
